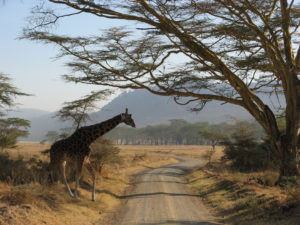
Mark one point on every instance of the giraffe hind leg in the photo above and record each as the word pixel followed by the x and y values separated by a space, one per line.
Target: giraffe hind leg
pixel 63 174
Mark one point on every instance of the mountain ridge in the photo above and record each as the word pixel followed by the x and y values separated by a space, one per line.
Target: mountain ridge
pixel 146 109
pixel 149 109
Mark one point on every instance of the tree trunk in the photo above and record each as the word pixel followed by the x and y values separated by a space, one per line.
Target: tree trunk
pixel 285 143
pixel 288 165
pixel 290 141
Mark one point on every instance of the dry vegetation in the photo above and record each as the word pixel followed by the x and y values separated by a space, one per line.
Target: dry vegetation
pixel 246 198
pixel 236 198
pixel 25 204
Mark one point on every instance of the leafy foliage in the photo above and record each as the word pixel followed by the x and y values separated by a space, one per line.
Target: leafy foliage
pixel 214 137
pixel 10 130
pixel 77 111
pixel 178 132
pixel 52 136
pixel 8 92
pixel 104 152
pixel 247 153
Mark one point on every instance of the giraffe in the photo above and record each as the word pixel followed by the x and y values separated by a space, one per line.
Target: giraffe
pixel 75 149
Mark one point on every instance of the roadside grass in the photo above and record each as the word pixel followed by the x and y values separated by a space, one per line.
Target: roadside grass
pixel 246 198
pixel 236 198
pixel 23 202
pixel 192 151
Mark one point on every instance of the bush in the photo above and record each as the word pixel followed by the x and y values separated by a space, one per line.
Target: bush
pixel 19 171
pixel 104 152
pixel 246 153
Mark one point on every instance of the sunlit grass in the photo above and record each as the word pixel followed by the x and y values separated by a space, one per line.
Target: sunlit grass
pixel 245 198
pixel 27 204
pixel 236 198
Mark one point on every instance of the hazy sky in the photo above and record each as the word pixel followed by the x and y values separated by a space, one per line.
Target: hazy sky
pixel 32 66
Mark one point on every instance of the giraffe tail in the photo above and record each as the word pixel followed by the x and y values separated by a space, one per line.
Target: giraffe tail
pixel 45 151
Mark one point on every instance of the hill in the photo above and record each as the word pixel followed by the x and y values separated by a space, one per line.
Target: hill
pixel 41 122
pixel 149 109
pixel 146 109
pixel 28 113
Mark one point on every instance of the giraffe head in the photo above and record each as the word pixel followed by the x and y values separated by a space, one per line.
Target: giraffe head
pixel 126 118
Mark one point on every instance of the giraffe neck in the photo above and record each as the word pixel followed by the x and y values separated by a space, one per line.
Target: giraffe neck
pixel 99 129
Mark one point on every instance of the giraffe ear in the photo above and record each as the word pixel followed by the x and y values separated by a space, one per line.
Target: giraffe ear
pixel 123 116
pixel 126 111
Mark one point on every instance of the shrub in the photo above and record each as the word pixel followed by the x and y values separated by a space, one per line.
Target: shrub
pixel 209 154
pixel 104 152
pixel 247 153
pixel 20 171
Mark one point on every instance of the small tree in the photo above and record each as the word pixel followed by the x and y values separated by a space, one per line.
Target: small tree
pixel 214 138
pixel 104 152
pixel 246 151
pixel 8 92
pixel 65 132
pixel 52 136
pixel 10 128
pixel 77 111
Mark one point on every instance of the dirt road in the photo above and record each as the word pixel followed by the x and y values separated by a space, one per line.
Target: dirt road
pixel 160 197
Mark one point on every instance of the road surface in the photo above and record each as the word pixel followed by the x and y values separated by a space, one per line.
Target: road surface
pixel 160 197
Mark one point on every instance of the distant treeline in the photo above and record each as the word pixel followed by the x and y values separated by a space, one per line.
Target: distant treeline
pixel 178 132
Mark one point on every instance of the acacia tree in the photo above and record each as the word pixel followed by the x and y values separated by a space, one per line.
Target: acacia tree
pixel 214 137
pixel 78 110
pixel 8 93
pixel 196 51
pixel 51 136
pixel 10 128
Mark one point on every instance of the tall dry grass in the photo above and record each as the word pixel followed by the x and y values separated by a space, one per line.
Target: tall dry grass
pixel 246 198
pixel 24 202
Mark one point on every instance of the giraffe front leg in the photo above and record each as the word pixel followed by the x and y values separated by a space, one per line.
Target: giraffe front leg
pixel 63 173
pixel 91 170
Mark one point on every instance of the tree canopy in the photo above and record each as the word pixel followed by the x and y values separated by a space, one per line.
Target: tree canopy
pixel 77 110
pixel 179 132
pixel 194 50
pixel 10 128
pixel 8 92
